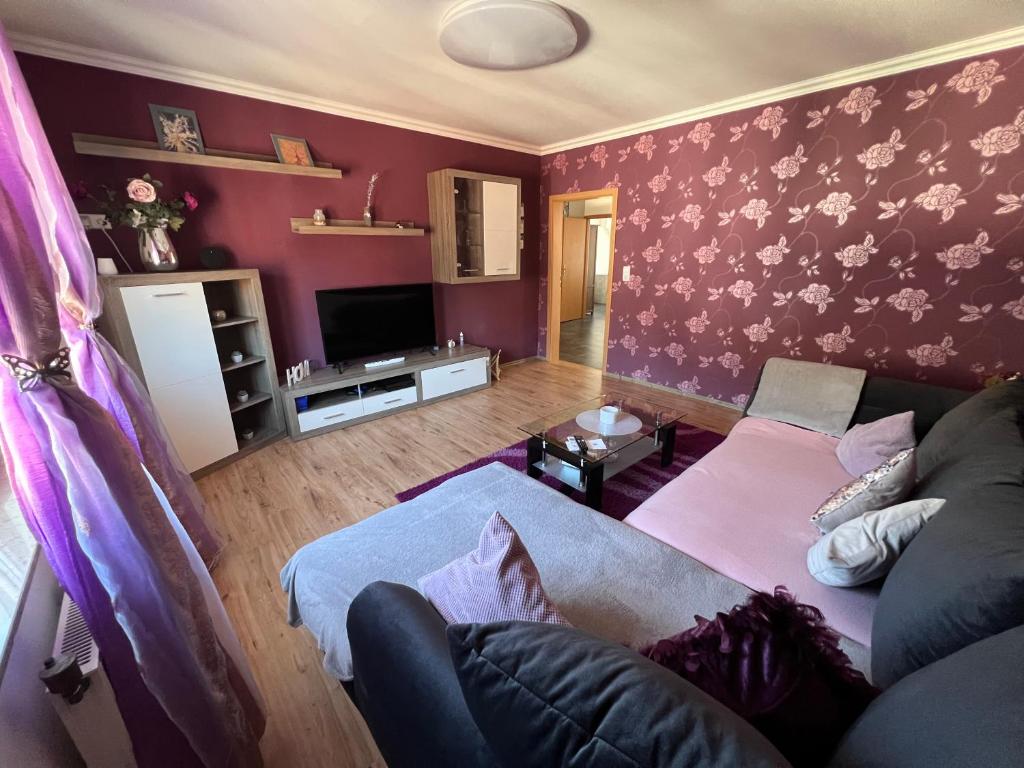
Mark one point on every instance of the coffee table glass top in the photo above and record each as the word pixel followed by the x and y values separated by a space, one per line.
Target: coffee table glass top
pixel 641 418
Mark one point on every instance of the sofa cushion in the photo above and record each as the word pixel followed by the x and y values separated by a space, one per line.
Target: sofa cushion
pixel 815 396
pixel 883 396
pixel 546 695
pixel 957 423
pixel 964 711
pixel 865 446
pixel 962 577
pixel 497 581
pixel 887 484
pixel 777 664
pixel 743 510
pixel 866 548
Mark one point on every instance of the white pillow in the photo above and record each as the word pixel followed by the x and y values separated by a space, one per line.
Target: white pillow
pixel 889 483
pixel 866 548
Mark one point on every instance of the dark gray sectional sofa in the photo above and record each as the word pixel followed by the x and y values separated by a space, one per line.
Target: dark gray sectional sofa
pixel 947 643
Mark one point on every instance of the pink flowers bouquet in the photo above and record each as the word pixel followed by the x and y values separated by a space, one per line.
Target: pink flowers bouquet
pixel 143 209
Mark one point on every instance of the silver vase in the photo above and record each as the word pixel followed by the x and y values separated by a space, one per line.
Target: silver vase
pixel 157 251
pixel 367 216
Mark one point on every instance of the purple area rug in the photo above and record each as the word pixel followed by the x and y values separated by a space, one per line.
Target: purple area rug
pixel 624 492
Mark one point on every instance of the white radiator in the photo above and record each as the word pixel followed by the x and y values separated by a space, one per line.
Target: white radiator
pixel 90 714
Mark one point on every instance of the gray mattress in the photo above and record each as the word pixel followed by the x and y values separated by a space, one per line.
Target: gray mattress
pixel 607 578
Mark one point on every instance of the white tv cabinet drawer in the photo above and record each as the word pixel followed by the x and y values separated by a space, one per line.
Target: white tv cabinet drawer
pixel 446 379
pixel 329 415
pixel 385 401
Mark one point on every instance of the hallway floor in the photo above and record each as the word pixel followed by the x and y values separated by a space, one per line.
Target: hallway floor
pixel 580 341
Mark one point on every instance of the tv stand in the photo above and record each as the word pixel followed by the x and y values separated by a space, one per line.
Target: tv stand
pixel 348 394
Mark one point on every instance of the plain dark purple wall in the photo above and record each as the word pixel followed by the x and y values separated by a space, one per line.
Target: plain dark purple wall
pixel 248 212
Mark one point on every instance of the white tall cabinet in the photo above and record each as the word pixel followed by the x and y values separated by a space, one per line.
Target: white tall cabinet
pixel 161 324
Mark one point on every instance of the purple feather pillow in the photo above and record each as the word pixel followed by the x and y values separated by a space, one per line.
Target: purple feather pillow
pixel 777 664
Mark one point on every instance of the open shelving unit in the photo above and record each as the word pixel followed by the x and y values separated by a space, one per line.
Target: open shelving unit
pixel 134 149
pixel 302 226
pixel 244 331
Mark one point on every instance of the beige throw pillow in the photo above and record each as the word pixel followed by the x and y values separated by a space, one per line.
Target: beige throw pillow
pixel 889 483
pixel 866 548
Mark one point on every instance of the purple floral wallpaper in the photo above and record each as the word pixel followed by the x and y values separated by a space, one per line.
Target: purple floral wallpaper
pixel 878 225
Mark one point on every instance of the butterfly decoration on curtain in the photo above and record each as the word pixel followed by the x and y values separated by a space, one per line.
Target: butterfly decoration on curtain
pixel 29 374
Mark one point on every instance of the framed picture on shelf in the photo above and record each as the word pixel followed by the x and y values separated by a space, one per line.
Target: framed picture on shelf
pixel 177 130
pixel 292 151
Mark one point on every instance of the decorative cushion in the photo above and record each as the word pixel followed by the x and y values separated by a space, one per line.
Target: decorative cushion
pixel 958 422
pixel 865 446
pixel 962 577
pixel 775 663
pixel 495 582
pixel 964 711
pixel 889 483
pixel 546 695
pixel 814 396
pixel 866 548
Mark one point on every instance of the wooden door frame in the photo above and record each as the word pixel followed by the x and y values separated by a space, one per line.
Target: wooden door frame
pixel 555 203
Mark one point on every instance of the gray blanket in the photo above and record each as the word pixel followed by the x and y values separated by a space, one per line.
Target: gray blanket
pixel 606 577
pixel 814 396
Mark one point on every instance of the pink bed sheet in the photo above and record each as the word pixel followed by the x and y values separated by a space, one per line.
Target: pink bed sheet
pixel 743 510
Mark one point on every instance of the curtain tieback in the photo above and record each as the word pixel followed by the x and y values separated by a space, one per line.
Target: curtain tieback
pixel 29 374
pixel 89 325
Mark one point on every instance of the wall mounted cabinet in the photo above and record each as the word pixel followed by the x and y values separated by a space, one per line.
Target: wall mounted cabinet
pixel 476 226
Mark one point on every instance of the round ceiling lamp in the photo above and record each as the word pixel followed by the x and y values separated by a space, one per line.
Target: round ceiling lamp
pixel 507 34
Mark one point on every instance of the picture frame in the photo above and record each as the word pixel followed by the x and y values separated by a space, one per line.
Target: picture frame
pixel 292 150
pixel 177 129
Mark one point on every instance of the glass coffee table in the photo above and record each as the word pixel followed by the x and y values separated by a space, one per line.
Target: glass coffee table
pixel 637 430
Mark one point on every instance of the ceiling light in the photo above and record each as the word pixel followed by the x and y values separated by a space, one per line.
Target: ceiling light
pixel 507 34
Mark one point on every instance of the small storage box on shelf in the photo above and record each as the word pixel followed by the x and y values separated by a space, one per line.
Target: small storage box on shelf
pixel 162 324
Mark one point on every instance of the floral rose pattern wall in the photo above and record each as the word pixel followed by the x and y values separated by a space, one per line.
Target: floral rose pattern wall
pixel 879 225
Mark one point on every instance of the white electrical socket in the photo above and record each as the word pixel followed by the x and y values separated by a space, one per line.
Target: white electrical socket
pixel 94 221
pixel 625 274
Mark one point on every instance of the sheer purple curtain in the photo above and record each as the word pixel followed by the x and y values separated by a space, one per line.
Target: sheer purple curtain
pixel 182 683
pixel 99 370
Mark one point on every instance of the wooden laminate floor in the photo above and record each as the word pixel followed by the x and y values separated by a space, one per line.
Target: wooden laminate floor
pixel 269 504
pixel 582 341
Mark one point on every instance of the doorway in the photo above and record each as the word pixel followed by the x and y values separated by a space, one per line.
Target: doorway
pixel 581 246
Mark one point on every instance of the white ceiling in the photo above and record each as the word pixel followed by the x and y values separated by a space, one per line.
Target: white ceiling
pixel 640 61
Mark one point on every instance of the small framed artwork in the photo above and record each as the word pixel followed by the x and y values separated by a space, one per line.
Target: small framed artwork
pixel 292 151
pixel 177 130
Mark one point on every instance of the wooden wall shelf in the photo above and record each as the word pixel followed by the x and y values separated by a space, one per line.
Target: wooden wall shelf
pixel 354 227
pixel 233 321
pixel 132 149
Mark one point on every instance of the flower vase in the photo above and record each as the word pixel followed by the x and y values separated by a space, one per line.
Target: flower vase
pixel 368 216
pixel 156 250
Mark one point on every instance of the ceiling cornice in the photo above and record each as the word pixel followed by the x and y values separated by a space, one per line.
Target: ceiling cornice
pixel 96 58
pixel 941 54
pixel 93 57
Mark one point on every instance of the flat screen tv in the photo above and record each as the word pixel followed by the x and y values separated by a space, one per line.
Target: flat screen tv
pixel 368 322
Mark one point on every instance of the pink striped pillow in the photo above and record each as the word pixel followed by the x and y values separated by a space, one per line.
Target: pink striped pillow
pixel 495 582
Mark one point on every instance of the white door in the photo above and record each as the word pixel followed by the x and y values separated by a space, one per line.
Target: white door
pixel 501 228
pixel 197 416
pixel 171 328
